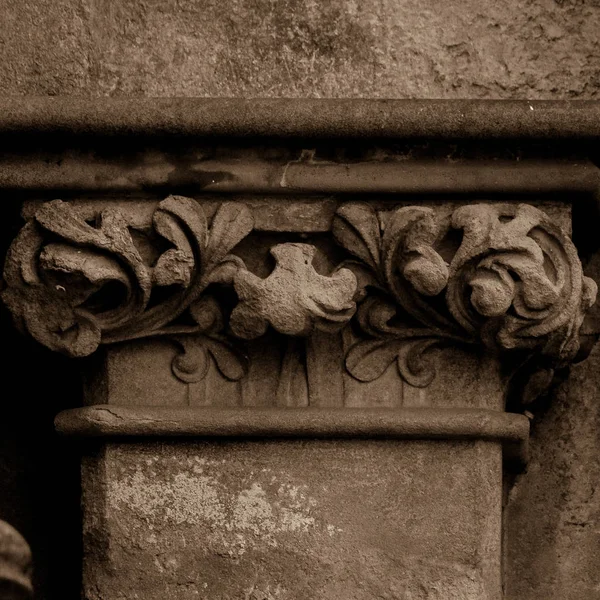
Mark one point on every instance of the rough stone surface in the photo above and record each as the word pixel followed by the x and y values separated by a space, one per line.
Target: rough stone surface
pixel 393 48
pixel 294 299
pixel 553 512
pixel 294 520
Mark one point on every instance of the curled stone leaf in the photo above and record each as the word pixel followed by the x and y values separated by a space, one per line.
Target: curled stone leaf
pixel 75 282
pixel 52 321
pixel 50 284
pixel 408 247
pixel 207 313
pixel 527 288
pixel 185 225
pixel 413 364
pixel 368 360
pixel 175 266
pixel 230 360
pixel 515 283
pixel 427 273
pixel 232 222
pixel 192 364
pixel 356 228
pixel 294 299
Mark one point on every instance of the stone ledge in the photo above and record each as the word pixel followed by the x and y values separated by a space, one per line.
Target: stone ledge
pixel 295 117
pixel 295 178
pixel 406 423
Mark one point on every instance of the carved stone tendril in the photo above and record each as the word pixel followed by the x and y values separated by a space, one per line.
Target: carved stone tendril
pixel 73 285
pixel 514 283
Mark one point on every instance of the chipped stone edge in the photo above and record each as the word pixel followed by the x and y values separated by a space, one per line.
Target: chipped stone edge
pixel 110 421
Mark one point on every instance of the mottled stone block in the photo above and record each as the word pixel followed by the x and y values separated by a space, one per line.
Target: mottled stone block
pixel 295 520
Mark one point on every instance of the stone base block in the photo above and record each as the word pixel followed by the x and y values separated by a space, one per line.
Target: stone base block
pixel 293 520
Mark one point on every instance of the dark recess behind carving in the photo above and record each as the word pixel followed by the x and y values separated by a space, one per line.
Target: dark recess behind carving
pixel 39 473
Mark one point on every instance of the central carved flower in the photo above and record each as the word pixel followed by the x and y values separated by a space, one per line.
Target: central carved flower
pixel 294 299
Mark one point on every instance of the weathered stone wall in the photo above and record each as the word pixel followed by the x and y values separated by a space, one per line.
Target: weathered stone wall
pixel 341 48
pixel 542 49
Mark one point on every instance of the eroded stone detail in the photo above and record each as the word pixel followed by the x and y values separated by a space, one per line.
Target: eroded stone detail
pixel 15 565
pixel 513 282
pixel 498 276
pixel 294 299
pixel 73 285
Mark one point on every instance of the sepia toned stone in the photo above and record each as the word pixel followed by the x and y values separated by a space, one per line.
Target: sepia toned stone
pixel 294 519
pixel 15 565
pixel 521 273
pixel 302 358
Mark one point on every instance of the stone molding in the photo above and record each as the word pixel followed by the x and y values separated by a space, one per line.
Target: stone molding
pixel 120 422
pixel 308 117
pixel 497 276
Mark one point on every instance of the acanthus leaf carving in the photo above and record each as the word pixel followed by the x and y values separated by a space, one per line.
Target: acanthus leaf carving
pixel 73 284
pixel 499 276
pixel 514 283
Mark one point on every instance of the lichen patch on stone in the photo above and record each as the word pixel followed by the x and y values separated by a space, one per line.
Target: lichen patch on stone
pixel 231 520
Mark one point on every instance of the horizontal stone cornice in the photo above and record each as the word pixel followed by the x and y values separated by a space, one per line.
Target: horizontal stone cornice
pixel 295 117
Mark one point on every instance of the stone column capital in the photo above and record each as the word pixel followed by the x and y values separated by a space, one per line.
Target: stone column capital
pixel 502 277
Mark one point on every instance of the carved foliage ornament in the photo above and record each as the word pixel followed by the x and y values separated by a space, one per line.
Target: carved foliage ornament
pixel 502 276
pixel 74 284
pixel 510 281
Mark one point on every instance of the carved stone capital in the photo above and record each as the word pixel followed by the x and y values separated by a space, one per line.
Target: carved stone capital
pixel 501 277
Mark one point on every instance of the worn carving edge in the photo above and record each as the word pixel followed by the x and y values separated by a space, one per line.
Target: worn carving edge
pixel 15 565
pixel 74 284
pixel 498 276
pixel 510 281
pixel 259 422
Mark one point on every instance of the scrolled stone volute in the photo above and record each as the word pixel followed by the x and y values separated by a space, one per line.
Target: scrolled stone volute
pixel 513 284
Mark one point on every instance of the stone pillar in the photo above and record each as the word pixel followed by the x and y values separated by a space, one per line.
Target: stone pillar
pixel 301 368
